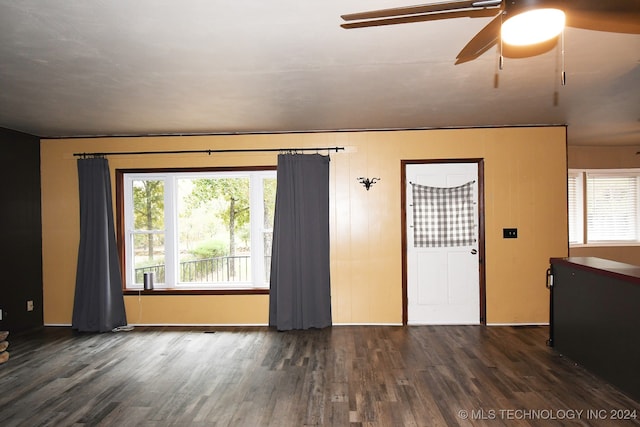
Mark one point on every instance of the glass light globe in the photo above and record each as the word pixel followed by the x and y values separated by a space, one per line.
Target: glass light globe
pixel 533 26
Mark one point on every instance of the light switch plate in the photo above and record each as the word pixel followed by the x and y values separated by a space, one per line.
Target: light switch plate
pixel 510 233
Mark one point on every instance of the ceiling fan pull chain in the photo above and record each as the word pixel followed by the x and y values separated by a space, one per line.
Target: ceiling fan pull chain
pixel 563 75
pixel 501 63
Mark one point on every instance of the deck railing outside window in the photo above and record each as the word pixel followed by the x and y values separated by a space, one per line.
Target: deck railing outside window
pixel 210 270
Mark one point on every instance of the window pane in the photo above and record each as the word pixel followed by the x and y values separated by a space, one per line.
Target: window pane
pixel 269 203
pixel 575 208
pixel 148 256
pixel 148 222
pixel 148 204
pixel 571 187
pixel 214 230
pixel 611 208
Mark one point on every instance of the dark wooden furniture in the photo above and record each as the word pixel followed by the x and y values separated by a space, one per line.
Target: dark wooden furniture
pixel 595 317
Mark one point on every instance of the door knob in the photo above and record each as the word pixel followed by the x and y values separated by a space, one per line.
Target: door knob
pixel 474 251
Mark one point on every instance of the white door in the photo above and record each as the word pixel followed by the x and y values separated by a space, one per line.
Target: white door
pixel 443 283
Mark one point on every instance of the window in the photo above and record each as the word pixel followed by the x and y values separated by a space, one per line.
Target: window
pixel 197 230
pixel 610 202
pixel 576 210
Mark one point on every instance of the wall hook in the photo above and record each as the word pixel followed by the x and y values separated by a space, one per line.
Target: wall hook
pixel 368 182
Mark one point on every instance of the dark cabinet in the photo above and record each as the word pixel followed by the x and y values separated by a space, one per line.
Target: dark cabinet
pixel 595 318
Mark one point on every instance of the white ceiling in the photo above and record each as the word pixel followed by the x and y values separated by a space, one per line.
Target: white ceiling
pixel 122 67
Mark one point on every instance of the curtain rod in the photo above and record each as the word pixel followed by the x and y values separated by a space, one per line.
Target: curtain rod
pixel 209 152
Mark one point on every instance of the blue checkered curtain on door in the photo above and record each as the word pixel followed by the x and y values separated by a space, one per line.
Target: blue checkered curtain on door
pixel 443 216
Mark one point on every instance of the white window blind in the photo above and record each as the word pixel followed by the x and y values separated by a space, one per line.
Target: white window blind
pixel 575 208
pixel 612 207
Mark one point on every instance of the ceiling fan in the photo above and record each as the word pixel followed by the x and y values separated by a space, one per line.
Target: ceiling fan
pixel 534 16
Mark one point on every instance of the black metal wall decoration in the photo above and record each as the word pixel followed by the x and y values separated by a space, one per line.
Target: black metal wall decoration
pixel 368 182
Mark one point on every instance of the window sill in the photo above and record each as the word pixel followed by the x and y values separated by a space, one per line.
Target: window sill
pixel 603 244
pixel 193 291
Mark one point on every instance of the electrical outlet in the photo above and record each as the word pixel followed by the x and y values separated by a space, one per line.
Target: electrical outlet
pixel 30 305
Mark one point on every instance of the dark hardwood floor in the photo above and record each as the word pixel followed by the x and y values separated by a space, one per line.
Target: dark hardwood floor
pixel 340 376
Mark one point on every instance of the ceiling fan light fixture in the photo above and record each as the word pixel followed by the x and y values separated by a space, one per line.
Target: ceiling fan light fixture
pixel 531 26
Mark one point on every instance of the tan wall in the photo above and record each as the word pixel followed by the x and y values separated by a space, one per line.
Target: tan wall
pixel 602 157
pixel 587 157
pixel 626 254
pixel 525 175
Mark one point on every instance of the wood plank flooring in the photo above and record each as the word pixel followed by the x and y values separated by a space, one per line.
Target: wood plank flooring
pixel 340 376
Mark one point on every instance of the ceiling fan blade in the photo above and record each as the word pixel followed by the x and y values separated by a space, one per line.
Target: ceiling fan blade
pixel 615 16
pixel 481 42
pixel 420 9
pixel 468 13
pixel 600 6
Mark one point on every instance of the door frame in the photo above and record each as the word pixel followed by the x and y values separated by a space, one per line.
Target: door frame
pixel 481 231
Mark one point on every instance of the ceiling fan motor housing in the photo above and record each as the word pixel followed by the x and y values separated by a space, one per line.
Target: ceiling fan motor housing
pixel 514 7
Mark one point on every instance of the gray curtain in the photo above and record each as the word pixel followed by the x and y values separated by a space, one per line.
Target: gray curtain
pixel 98 304
pixel 300 288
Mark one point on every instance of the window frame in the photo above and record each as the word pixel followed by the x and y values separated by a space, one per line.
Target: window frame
pixel 582 176
pixel 121 232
